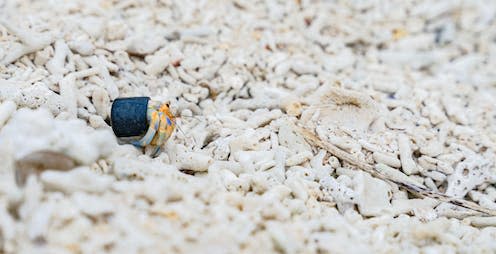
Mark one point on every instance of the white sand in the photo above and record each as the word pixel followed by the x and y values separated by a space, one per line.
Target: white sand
pixel 406 85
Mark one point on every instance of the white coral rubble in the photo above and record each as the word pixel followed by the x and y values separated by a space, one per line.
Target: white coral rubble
pixel 405 86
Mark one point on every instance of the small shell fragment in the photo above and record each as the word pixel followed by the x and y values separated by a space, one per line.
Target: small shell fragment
pixel 39 161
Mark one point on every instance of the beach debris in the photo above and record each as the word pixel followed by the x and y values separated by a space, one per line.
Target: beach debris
pixel 151 120
pixel 341 107
pixel 413 188
pixel 39 161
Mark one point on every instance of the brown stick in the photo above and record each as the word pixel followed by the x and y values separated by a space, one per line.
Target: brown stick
pixel 363 165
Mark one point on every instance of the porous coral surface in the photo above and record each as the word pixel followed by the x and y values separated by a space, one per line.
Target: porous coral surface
pixel 406 86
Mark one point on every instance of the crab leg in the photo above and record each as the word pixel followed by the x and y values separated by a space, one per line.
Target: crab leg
pixel 150 133
pixel 162 134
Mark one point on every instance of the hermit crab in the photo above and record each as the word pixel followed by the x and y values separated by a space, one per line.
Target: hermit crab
pixel 150 121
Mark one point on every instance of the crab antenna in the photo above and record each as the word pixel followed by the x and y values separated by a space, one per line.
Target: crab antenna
pixel 193 117
pixel 184 134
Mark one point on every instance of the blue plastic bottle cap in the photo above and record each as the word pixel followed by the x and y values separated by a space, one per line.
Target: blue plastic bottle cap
pixel 128 116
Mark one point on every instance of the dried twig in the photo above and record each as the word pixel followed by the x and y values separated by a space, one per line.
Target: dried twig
pixel 409 186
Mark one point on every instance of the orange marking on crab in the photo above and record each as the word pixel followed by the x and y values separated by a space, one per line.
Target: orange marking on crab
pixel 161 126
